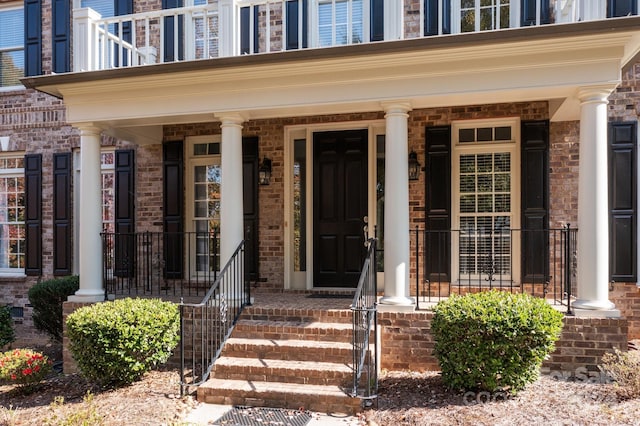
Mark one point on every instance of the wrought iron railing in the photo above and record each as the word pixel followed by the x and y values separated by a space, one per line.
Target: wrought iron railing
pixel 364 312
pixel 163 264
pixel 538 262
pixel 205 326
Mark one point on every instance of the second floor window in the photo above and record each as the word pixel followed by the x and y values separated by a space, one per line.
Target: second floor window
pixel 11 45
pixel 340 22
pixel 482 15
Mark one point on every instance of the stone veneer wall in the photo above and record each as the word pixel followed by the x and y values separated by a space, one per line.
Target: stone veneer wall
pixel 407 343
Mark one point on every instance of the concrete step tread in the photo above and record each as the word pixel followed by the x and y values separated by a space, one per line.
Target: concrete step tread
pixel 289 344
pixel 260 363
pixel 321 325
pixel 258 387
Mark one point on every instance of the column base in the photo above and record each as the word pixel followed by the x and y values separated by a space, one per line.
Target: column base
pixel 397 301
pixel 599 305
pixel 87 296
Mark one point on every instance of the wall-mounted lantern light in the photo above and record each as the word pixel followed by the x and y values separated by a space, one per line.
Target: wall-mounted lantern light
pixel 414 166
pixel 264 172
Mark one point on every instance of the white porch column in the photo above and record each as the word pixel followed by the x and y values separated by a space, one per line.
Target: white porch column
pixel 593 201
pixel 231 209
pixel 90 254
pixel 396 206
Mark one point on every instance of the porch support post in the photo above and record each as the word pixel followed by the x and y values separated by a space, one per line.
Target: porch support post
pixel 231 208
pixel 593 201
pixel 90 218
pixel 396 206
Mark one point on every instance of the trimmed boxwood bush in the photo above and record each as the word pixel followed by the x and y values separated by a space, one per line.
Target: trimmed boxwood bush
pixel 47 297
pixel 116 343
pixel 493 341
pixel 7 333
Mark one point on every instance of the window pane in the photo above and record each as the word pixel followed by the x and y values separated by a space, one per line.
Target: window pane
pixel 299 205
pixel 11 47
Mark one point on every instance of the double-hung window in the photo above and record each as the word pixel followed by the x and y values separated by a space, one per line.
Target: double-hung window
pixel 486 207
pixel 11 45
pixel 12 231
pixel 482 15
pixel 341 22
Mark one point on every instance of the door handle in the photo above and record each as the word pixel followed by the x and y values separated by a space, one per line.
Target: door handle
pixel 365 229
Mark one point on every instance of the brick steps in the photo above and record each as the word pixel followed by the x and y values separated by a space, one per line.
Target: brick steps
pixel 294 350
pixel 290 358
pixel 330 399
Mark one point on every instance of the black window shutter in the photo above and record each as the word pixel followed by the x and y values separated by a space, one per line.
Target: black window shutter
pixel 61 36
pixel 535 200
pixel 616 8
pixel 123 7
pixel 124 213
pixel 172 52
pixel 377 20
pixel 528 12
pixel 438 203
pixel 33 213
pixel 623 209
pixel 432 14
pixel 250 204
pixel 62 169
pixel 173 209
pixel 292 11
pixel 32 37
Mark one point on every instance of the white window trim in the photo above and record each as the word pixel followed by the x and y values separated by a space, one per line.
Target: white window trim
pixel 458 149
pixel 303 280
pixel 314 21
pixel 192 160
pixel 4 8
pixel 14 272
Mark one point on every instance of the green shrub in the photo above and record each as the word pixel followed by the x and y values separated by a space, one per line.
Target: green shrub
pixel 24 367
pixel 624 369
pixel 47 297
pixel 493 341
pixel 7 333
pixel 116 343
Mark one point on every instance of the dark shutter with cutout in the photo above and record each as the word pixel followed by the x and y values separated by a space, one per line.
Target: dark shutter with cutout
pixel 61 36
pixel 377 20
pixel 292 27
pixel 32 37
pixel 171 51
pixel 124 213
pixel 616 8
pixel 438 204
pixel 123 7
pixel 432 15
pixel 173 186
pixel 33 213
pixel 62 170
pixel 245 30
pixel 623 211
pixel 528 12
pixel 535 200
pixel 250 204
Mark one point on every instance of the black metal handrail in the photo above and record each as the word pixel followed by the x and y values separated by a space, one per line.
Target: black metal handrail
pixel 538 262
pixel 163 264
pixel 364 315
pixel 206 326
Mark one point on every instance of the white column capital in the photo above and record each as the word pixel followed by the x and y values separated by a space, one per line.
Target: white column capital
pixel 595 94
pixel 396 107
pixel 231 118
pixel 88 129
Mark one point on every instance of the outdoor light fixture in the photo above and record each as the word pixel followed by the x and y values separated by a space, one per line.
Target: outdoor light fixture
pixel 414 166
pixel 264 172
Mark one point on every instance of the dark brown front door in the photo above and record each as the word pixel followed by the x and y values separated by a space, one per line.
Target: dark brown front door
pixel 339 206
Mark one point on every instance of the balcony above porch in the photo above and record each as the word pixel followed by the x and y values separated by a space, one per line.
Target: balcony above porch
pixel 226 28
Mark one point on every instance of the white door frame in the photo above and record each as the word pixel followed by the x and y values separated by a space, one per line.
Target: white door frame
pixel 303 280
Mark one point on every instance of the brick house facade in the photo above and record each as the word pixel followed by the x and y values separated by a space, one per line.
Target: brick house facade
pixel 36 123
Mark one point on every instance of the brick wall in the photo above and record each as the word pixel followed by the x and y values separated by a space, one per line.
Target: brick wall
pixel 407 343
pixel 626 297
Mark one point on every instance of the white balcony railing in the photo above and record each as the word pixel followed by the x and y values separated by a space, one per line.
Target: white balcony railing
pixel 237 27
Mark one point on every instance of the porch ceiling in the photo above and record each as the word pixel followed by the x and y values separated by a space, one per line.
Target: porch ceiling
pixel 526 64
